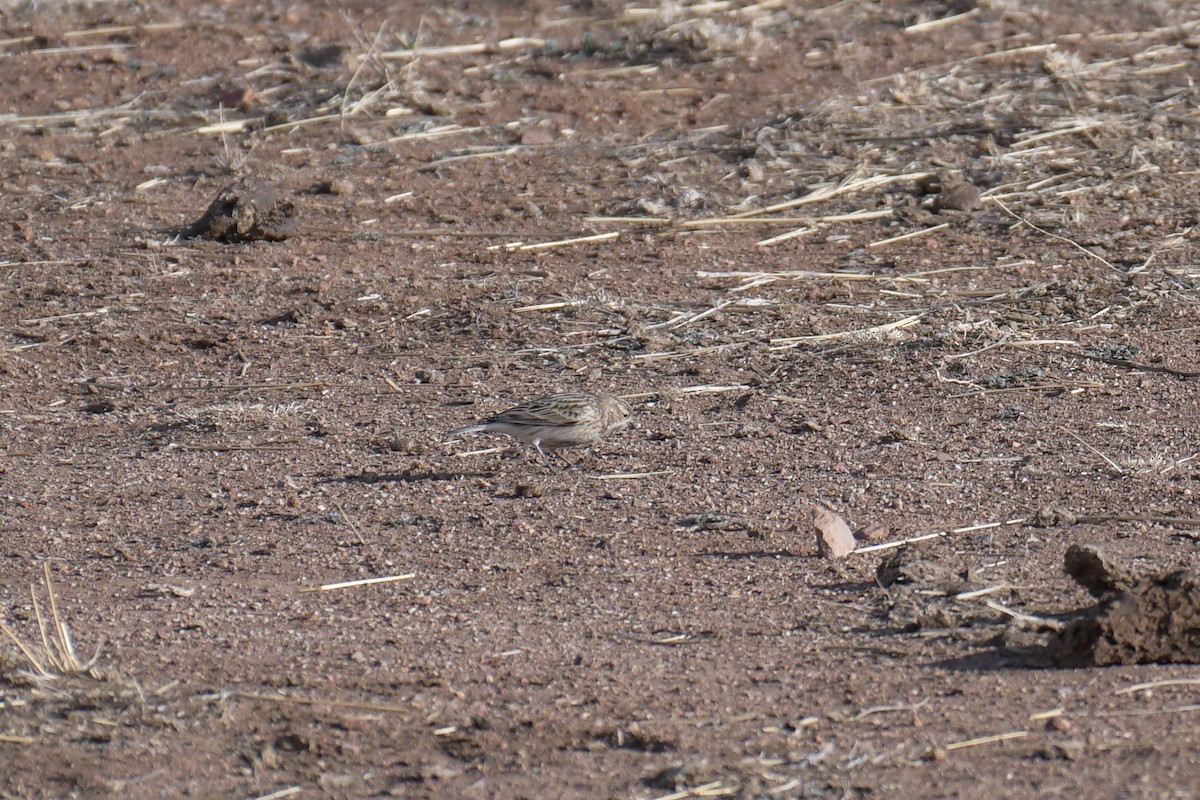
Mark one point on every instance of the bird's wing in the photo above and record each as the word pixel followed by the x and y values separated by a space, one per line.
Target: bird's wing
pixel 558 410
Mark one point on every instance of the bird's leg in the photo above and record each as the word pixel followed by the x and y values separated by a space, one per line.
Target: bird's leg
pixel 548 457
pixel 545 456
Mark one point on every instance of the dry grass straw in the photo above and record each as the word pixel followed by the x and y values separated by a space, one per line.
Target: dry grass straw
pixel 939 534
pixel 79 48
pixel 483 452
pixel 1082 519
pixel 370 58
pixel 632 476
pixel 1161 684
pixel 1041 623
pixel 1116 468
pixel 859 335
pixel 1040 716
pixel 557 305
pixel 521 246
pixel 479 152
pixel 933 24
pixel 649 358
pixel 54 655
pixel 99 312
pixel 107 30
pixel 910 235
pixel 982 592
pixel 8 738
pixel 1073 388
pixel 683 391
pixel 329 587
pixel 94 117
pixel 718 788
pixel 476 48
pixel 281 793
pixel 435 132
pixel 982 740
pixel 753 279
pixel 834 189
pixel 349 521
pixel 1071 242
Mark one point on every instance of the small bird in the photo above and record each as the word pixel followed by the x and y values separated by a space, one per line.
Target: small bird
pixel 559 420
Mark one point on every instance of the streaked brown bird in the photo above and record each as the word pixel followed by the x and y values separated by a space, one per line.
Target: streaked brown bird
pixel 559 420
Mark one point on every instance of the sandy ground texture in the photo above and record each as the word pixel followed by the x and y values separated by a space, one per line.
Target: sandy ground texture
pixel 910 270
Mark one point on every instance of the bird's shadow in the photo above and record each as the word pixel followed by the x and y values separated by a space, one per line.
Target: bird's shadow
pixel 1002 659
pixel 411 477
pixel 853 588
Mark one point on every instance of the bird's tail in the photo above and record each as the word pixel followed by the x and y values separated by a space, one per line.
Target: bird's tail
pixel 468 429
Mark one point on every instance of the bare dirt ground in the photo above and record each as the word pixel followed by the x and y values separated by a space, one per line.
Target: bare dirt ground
pixel 929 265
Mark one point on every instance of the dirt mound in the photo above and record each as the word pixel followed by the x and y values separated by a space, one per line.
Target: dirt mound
pixel 1141 619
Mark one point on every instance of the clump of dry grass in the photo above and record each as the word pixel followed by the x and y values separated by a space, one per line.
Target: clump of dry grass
pixel 54 655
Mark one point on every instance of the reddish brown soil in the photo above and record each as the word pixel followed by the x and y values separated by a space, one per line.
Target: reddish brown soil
pixel 195 432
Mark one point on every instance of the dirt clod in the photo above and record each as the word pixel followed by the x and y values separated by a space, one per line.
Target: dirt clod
pixel 1095 572
pixel 1054 516
pixel 958 197
pixel 872 532
pixel 235 97
pixel 246 211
